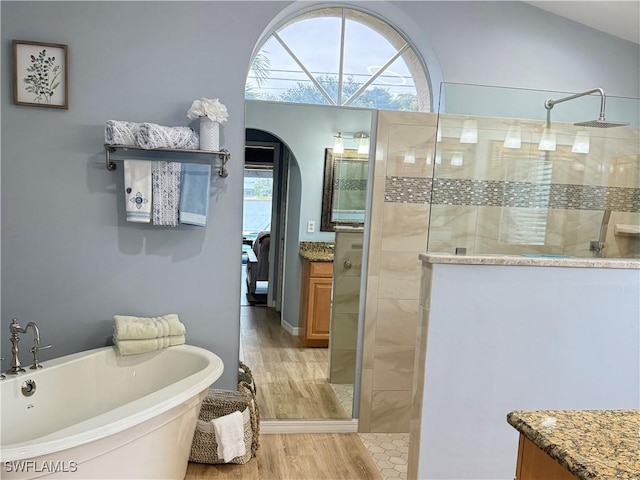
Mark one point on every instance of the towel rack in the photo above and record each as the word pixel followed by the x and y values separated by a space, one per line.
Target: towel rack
pixel 168 154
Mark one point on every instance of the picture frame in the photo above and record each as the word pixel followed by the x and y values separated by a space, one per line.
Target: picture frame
pixel 40 74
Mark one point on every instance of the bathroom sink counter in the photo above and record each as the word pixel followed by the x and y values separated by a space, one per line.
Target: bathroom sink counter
pixel 541 261
pixel 317 251
pixel 591 444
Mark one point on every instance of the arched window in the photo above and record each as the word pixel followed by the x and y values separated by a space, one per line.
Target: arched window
pixel 339 56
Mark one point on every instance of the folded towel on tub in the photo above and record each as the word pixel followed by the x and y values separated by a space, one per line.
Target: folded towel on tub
pixel 134 347
pixel 194 193
pixel 229 431
pixel 165 179
pixel 127 327
pixel 137 190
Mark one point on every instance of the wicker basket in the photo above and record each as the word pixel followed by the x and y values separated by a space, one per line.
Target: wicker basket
pixel 218 403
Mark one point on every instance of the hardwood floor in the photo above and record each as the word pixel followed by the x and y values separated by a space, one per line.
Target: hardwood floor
pixel 292 380
pixel 297 457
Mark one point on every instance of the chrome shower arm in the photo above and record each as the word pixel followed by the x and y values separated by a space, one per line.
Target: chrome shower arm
pixel 550 103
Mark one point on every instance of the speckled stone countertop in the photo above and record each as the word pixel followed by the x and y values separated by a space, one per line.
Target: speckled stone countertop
pixel 317 251
pixel 591 444
pixel 533 261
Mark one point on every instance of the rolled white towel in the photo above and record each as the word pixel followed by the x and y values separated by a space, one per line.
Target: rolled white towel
pixel 128 327
pixel 133 347
pixel 229 431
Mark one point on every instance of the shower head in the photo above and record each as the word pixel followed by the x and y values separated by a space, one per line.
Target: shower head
pixel 599 123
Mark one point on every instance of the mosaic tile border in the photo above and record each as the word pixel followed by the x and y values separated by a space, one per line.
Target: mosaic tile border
pixel 496 193
pixel 350 184
pixel 407 190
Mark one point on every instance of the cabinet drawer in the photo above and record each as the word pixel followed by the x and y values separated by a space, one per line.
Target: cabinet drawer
pixel 321 269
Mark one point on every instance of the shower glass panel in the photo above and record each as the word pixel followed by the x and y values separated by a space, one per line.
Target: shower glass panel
pixel 506 182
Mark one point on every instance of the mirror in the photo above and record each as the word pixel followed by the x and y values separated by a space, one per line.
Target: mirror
pixel 269 335
pixel 344 192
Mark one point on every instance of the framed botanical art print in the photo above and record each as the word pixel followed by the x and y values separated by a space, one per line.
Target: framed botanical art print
pixel 40 74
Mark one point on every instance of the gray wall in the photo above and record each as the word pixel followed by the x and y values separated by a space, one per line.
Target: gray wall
pixel 69 261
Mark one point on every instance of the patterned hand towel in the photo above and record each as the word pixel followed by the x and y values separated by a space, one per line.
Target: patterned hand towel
pixel 166 193
pixel 194 193
pixel 137 190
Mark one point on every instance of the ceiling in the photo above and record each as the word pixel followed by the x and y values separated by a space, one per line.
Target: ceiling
pixel 618 18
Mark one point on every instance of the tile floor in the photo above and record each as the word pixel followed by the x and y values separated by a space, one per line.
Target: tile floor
pixel 344 392
pixel 389 451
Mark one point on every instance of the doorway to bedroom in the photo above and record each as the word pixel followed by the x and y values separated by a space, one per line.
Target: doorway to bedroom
pixel 258 211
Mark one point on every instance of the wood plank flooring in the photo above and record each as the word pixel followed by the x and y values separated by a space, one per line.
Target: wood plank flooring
pixel 297 457
pixel 292 380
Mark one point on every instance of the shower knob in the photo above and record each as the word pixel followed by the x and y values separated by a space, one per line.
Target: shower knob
pixel 347 264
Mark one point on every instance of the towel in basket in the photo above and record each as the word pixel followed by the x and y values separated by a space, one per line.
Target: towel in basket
pixel 223 402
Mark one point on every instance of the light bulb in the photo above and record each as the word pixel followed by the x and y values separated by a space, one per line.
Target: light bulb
pixel 338 144
pixel 513 139
pixel 410 156
pixel 581 142
pixel 363 144
pixel 548 140
pixel 469 132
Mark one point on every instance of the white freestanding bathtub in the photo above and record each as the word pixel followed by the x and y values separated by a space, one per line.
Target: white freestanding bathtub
pixel 98 415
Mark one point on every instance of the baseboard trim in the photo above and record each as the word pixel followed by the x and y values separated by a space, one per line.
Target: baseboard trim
pixel 289 328
pixel 308 426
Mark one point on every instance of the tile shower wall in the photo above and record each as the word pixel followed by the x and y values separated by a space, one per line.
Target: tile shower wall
pixel 482 194
pixel 399 219
pixel 495 200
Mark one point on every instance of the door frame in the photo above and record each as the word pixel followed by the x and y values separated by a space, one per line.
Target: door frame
pixel 278 222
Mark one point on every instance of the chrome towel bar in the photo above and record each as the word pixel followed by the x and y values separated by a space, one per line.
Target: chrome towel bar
pixel 167 154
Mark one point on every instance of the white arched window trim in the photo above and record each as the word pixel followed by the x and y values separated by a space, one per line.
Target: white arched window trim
pixel 404 49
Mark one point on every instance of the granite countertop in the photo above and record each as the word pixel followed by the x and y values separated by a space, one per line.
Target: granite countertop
pixel 532 261
pixel 591 444
pixel 317 251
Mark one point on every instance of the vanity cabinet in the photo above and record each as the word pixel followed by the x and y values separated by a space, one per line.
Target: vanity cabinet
pixel 534 464
pixel 315 303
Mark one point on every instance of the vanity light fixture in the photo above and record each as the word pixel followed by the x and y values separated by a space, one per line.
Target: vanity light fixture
pixel 581 142
pixel 469 132
pixel 548 140
pixel 513 139
pixel 338 144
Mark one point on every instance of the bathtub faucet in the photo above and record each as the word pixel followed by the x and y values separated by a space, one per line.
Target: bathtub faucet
pixel 15 329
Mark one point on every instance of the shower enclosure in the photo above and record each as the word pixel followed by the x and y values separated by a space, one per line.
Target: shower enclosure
pixel 508 179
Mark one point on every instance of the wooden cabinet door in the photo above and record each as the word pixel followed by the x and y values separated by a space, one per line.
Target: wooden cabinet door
pixel 534 464
pixel 319 314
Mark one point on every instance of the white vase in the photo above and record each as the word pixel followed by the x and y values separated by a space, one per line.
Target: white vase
pixel 209 134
